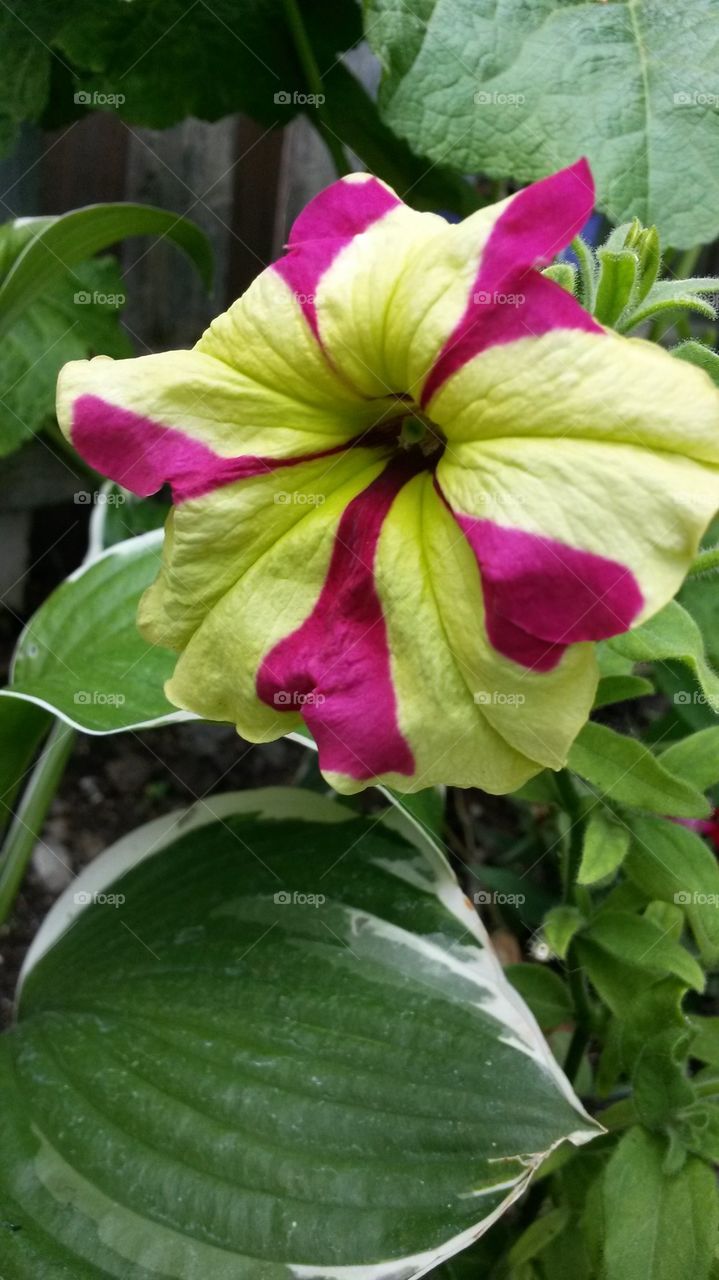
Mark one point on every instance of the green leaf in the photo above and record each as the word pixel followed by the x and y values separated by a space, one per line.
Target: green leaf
pixel 544 992
pixel 699 354
pixel 64 241
pixel 237 1056
pixel 695 758
pixel 25 77
pixel 538 1235
pixel 705 1041
pixel 560 926
pixel 627 773
pixel 606 841
pixel 672 863
pixel 465 82
pixel 52 330
pixel 658 1227
pixel 660 1086
pixel 672 634
pixel 82 656
pixel 621 689
pixel 639 942
pixel 668 297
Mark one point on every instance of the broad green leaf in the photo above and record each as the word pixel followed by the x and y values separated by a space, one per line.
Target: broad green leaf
pixel 546 994
pixel 263 1047
pixel 82 656
pixel 560 926
pixel 699 354
pixel 672 634
pixel 156 67
pixel 672 863
pixel 627 773
pixel 77 316
pixel 658 1227
pixel 705 1041
pixel 465 82
pixel 695 758
pixel 64 241
pixel 637 941
pixel 606 841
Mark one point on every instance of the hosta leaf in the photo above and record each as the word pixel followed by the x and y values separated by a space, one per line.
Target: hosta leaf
pixel 627 773
pixel 267 1048
pixel 82 656
pixel 633 86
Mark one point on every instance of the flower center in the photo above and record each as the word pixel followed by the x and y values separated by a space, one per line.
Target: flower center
pixel 412 431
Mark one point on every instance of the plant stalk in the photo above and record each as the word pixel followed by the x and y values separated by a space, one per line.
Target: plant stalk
pixel 306 55
pixel 31 812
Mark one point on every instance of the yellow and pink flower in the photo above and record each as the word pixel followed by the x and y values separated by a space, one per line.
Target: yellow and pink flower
pixel 413 480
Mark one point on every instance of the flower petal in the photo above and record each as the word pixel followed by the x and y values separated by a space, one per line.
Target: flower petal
pixel 583 473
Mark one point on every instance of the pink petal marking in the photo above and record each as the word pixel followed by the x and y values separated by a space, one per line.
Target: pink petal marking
pixel 541 595
pixel 325 226
pixel 335 668
pixel 509 299
pixel 142 455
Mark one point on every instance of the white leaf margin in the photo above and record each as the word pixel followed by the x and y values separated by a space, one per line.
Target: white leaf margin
pixel 433 874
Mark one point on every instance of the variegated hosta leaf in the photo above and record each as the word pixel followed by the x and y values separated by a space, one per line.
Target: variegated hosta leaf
pixel 268 1046
pixel 82 655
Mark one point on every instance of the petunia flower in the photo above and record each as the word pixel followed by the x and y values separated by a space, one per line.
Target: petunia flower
pixel 413 480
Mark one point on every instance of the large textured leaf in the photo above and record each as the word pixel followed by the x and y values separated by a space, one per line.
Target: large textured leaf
pixel 267 1049
pixel 517 89
pixel 77 316
pixel 82 656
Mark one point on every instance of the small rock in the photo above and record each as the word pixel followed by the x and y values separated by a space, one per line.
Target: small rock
pixel 52 865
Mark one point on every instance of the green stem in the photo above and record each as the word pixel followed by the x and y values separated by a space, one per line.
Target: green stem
pixel 31 812
pixel 705 562
pixel 306 55
pixel 587 272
